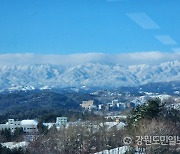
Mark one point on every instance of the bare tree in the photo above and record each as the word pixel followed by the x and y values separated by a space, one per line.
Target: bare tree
pixel 155 128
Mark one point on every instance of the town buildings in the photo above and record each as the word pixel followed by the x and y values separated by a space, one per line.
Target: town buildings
pixel 30 126
pixel 114 105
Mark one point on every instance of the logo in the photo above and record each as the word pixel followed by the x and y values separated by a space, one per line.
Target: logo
pixel 127 140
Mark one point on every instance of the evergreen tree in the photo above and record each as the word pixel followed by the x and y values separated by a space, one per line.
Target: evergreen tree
pixel 151 109
pixel 6 133
pixel 18 133
pixel 154 108
pixel 41 128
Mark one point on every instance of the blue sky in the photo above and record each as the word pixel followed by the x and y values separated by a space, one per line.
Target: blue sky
pixel 89 26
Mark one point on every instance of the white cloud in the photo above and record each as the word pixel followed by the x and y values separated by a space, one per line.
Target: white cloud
pixel 74 59
pixel 166 39
pixel 143 20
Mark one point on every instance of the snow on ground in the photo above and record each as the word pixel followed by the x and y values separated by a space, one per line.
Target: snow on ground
pixel 119 150
pixel 120 125
pixel 49 125
pixel 45 87
pixel 116 116
pixel 109 125
pixel 12 145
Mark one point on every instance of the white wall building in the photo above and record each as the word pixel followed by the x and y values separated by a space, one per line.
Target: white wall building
pixel 29 126
pixel 60 121
pixel 11 124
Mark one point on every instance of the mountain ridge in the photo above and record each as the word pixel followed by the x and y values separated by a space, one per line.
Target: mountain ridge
pixel 47 76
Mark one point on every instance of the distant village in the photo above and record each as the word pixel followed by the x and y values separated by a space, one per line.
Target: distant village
pixel 114 105
pixel 30 126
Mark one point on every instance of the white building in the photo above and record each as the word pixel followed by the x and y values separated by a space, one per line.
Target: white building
pixel 60 121
pixel 100 106
pixel 11 124
pixel 29 126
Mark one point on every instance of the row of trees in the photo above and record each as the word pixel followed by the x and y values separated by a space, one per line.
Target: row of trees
pixel 7 136
pixel 85 139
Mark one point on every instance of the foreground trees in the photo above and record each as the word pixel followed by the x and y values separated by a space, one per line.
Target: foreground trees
pixel 147 122
pixel 7 136
pixel 77 138
pixel 4 150
pixel 155 136
pixel 154 128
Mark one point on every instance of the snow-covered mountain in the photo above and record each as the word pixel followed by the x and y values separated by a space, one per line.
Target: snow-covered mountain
pixel 29 77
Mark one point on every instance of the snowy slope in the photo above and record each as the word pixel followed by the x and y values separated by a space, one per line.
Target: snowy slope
pixel 119 150
pixel 29 77
pixel 164 72
pixel 12 145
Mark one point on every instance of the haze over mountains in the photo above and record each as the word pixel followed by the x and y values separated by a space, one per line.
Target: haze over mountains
pixel 46 76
